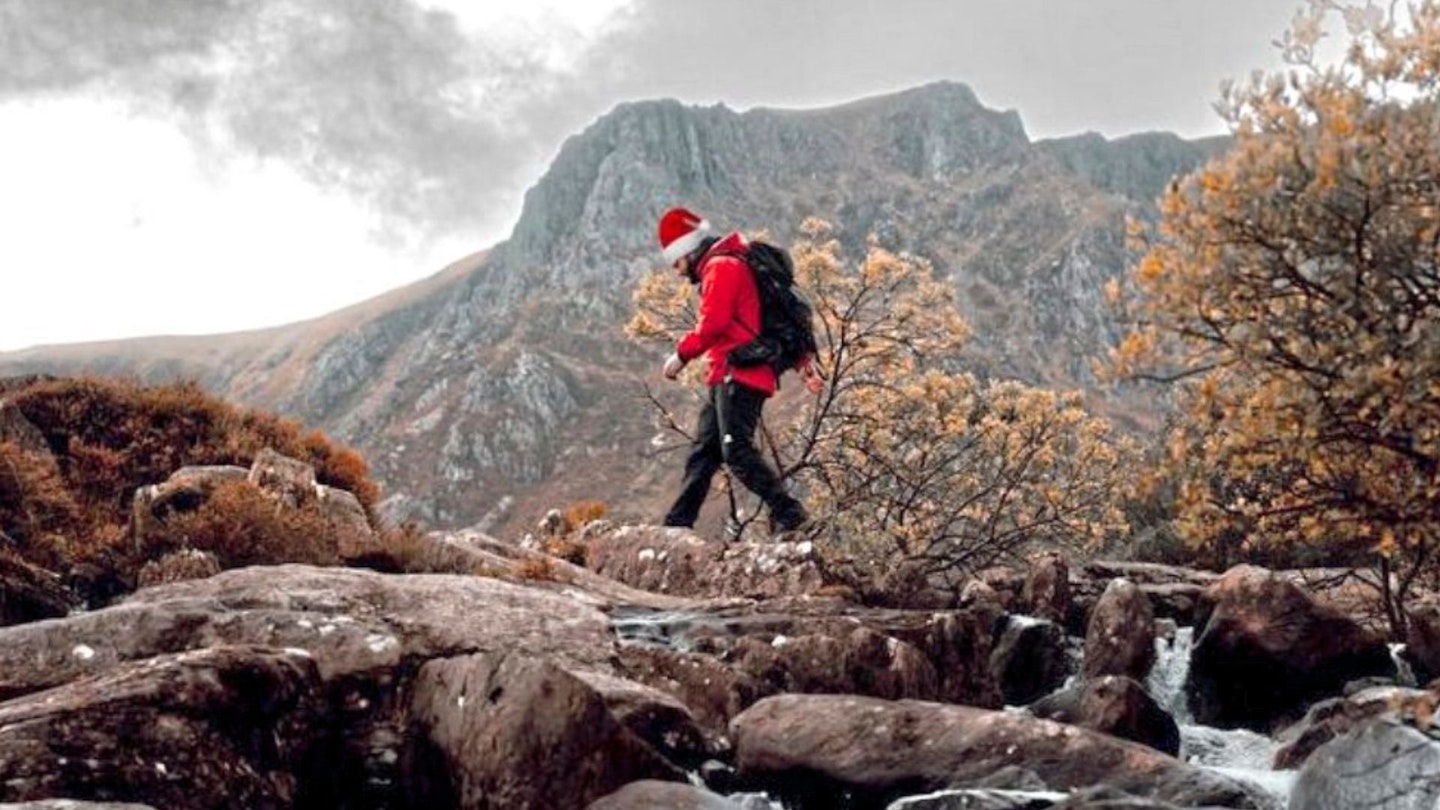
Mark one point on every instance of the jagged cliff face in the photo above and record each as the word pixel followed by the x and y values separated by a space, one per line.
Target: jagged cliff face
pixel 504 384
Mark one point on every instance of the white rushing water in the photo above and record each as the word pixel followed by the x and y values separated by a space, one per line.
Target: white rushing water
pixel 1236 753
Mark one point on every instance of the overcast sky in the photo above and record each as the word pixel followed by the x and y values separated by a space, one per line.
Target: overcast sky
pixel 193 166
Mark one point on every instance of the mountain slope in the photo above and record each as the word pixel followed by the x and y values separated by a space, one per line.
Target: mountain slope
pixel 504 385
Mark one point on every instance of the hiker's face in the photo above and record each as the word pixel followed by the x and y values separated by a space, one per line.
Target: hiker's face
pixel 682 267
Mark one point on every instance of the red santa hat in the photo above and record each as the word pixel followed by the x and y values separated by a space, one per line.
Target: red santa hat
pixel 681 231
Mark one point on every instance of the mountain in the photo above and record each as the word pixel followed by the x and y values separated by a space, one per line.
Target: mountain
pixel 503 385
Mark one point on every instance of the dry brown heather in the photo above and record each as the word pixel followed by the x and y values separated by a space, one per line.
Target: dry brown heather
pixel 69 501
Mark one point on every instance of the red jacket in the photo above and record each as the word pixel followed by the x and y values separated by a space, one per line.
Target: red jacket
pixel 729 316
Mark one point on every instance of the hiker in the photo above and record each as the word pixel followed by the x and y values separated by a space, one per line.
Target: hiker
pixel 729 318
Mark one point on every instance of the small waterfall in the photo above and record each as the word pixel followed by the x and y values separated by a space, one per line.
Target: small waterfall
pixel 1166 682
pixel 664 628
pixel 1238 753
pixel 1404 675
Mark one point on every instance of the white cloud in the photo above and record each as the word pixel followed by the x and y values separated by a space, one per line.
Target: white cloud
pixel 116 226
pixel 559 30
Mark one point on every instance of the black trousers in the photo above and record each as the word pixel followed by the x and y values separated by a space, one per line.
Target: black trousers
pixel 725 434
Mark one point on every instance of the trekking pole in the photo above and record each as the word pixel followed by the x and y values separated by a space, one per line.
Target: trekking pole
pixel 734 527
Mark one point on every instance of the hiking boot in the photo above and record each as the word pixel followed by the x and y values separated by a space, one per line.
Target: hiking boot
pixel 791 520
pixel 798 528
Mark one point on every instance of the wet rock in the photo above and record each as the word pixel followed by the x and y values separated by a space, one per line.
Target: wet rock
pixel 511 731
pixel 863 662
pixel 1332 718
pixel 959 644
pixel 1114 705
pixel 1422 639
pixel 1268 650
pixel 1380 765
pixel 979 799
pixel 711 689
pixel 1109 798
pixel 1029 659
pixel 1120 639
pixel 822 750
pixel 654 716
pixel 229 726
pixel 653 795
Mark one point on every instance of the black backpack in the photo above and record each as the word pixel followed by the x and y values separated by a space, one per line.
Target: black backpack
pixel 787 333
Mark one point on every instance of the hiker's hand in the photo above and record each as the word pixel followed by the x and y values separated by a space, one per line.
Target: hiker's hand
pixel 814 383
pixel 673 365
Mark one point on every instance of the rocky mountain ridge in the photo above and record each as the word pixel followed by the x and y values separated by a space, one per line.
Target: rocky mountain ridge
pixel 500 386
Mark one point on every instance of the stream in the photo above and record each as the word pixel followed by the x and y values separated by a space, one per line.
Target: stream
pixel 1236 753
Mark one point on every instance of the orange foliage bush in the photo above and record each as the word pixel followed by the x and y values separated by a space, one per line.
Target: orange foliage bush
pixel 580 513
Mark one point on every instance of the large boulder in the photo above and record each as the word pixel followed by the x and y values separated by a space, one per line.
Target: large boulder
pixel 711 689
pixel 721 676
pixel 678 562
pixel 1047 588
pixel 184 491
pixel 1378 766
pixel 1175 593
pixel 229 726
pixel 1335 717
pixel 1120 639
pixel 366 633
pixel 1268 650
pixel 1422 639
pixel 1115 705
pixel 862 662
pixel 507 730
pixel 654 716
pixel 814 749
pixel 1029 659
pixel 356 623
